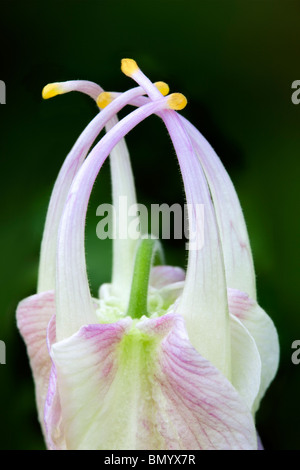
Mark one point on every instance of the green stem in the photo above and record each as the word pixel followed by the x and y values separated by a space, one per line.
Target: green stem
pixel 146 252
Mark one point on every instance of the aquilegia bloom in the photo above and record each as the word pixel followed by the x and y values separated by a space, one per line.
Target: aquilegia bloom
pixel 163 359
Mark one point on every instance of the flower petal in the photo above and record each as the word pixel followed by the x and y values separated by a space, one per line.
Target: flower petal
pixel 33 316
pixel 161 276
pixel 143 386
pixel 245 362
pixel 262 329
pixel 54 435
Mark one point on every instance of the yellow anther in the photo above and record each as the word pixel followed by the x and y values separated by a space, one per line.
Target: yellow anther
pixel 104 99
pixel 52 89
pixel 177 101
pixel 129 66
pixel 162 87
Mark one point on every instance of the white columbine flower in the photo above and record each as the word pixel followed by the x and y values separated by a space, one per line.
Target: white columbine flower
pixel 163 359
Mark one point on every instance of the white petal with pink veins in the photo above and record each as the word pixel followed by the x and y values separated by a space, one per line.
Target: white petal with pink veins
pixel 33 316
pixel 141 385
pixel 262 329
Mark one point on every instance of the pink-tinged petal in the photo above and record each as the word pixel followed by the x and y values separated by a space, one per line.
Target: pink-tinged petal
pixel 142 385
pixel 161 276
pixel 73 299
pixel 199 396
pixel 54 435
pixel 204 299
pixel 86 365
pixel 33 316
pixel 262 329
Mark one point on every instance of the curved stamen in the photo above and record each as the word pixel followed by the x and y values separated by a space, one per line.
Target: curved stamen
pixel 73 298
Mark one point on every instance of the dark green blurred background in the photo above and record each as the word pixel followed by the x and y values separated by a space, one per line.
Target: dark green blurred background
pixel 235 61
